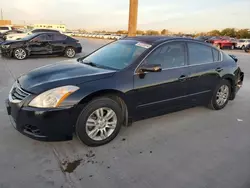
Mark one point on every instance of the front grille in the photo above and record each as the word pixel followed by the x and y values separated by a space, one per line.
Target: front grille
pixel 18 94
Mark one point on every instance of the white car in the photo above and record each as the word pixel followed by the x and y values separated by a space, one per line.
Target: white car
pixel 4 29
pixel 18 36
pixel 242 43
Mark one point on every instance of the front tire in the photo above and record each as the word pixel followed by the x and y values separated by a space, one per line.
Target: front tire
pixel 70 52
pixel 220 96
pixel 20 53
pixel 99 122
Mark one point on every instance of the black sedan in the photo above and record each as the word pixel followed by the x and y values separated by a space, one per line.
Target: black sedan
pixel 97 94
pixel 45 43
pixel 247 48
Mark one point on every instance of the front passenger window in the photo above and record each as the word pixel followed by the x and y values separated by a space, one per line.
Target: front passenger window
pixel 170 55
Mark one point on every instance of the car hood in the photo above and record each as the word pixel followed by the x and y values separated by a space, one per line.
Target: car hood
pixel 63 73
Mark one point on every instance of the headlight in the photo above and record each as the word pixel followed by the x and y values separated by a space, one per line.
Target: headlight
pixel 53 98
pixel 5 46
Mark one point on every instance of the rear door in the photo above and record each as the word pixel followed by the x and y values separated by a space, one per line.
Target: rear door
pixel 58 43
pixel 204 69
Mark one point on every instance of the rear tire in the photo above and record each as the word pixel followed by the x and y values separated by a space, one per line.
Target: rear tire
pixel 70 52
pixel 243 47
pixel 94 126
pixel 220 96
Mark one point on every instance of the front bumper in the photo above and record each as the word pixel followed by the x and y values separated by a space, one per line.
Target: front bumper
pixel 41 124
pixel 6 52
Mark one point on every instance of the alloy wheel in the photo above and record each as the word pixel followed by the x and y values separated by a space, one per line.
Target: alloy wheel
pixel 101 124
pixel 20 53
pixel 70 52
pixel 222 95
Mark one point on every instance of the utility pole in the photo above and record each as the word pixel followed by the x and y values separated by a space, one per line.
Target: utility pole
pixel 1 14
pixel 132 23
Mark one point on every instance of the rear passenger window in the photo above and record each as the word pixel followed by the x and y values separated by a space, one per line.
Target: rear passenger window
pixel 217 56
pixel 59 37
pixel 199 54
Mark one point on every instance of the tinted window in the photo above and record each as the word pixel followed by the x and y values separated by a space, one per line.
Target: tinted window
pixel 199 54
pixel 59 37
pixel 117 55
pixel 241 40
pixel 4 28
pixel 168 55
pixel 43 37
pixel 217 56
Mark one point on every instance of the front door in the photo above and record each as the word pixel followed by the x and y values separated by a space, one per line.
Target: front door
pixel 157 90
pixel 40 45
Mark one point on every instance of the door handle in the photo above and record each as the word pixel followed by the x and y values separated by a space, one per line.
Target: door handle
pixel 182 78
pixel 219 69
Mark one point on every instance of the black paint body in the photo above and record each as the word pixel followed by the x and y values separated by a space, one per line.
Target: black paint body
pixel 143 93
pixel 44 47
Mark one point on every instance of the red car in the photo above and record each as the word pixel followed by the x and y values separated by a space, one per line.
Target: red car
pixel 222 42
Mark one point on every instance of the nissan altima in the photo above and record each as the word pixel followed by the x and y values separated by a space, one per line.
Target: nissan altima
pixel 95 95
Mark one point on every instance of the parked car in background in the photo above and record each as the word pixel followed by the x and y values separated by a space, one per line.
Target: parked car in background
pixel 68 33
pixel 203 38
pixel 95 95
pixel 242 43
pixel 4 29
pixel 5 34
pixel 223 42
pixel 49 43
pixel 17 36
pixel 247 48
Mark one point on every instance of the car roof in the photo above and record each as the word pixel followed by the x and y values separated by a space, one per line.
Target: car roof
pixel 48 32
pixel 154 39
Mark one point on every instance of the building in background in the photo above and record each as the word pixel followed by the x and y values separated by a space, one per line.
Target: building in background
pixel 59 27
pixel 5 22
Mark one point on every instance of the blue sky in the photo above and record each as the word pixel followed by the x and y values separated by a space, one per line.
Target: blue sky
pixel 175 15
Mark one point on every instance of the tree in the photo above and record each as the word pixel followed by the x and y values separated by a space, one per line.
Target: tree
pixel 152 32
pixel 214 33
pixel 243 33
pixel 228 32
pixel 140 32
pixel 122 32
pixel 164 32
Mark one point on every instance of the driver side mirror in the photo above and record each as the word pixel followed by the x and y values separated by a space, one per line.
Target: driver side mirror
pixel 150 68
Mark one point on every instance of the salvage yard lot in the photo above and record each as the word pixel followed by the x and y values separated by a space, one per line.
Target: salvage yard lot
pixel 193 148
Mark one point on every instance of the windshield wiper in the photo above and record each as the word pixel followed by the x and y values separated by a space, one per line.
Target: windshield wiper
pixel 90 63
pixel 87 63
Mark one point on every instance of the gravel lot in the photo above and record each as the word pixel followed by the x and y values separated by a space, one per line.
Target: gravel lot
pixel 194 148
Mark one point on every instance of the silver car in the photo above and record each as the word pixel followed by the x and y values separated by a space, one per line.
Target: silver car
pixel 242 43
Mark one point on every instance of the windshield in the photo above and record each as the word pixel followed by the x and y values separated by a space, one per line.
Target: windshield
pixel 117 55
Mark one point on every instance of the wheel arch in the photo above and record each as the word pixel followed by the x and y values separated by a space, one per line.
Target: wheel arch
pixel 231 80
pixel 116 95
